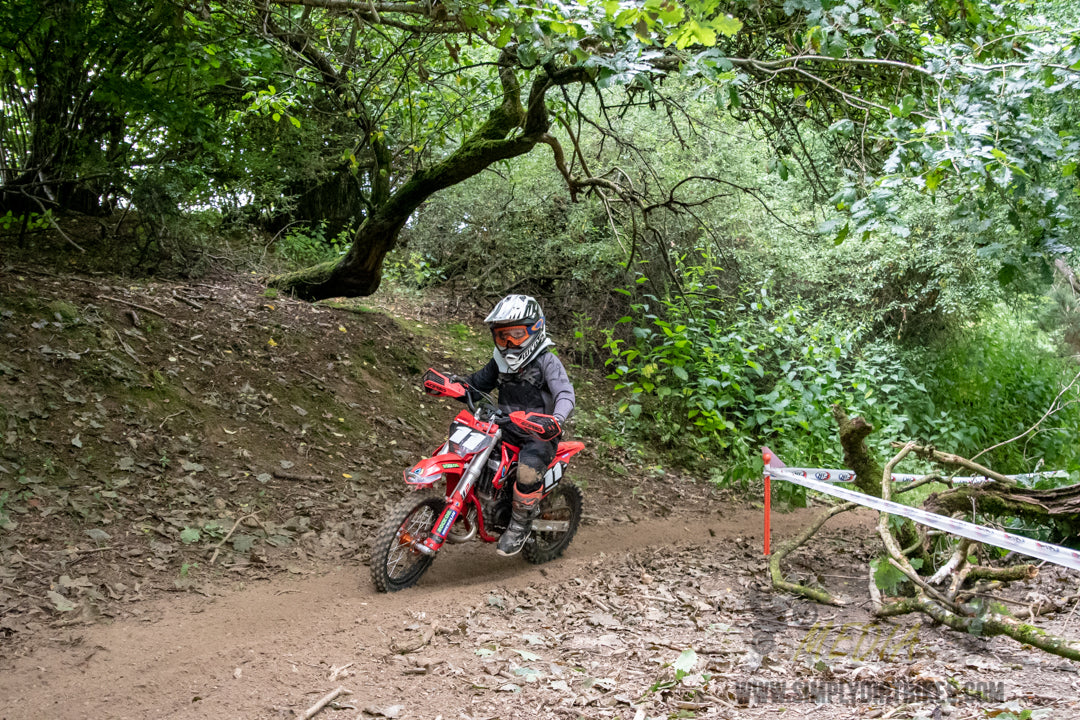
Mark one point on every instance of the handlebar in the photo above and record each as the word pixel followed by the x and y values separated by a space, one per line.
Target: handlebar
pixel 538 425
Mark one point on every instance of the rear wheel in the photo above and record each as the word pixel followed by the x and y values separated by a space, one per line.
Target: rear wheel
pixel 395 562
pixel 563 505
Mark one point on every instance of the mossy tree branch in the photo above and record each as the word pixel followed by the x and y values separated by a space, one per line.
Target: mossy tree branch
pixel 778 581
pixel 985 625
pixel 869 474
pixel 512 129
pixel 948 607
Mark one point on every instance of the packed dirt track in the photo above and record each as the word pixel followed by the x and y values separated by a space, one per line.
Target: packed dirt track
pixel 268 649
pixel 594 634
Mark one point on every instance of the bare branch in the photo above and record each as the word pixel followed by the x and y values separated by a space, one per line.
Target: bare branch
pixel 375 13
pixel 950 459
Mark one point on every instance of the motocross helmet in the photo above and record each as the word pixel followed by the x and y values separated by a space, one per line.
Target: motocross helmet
pixel 517 327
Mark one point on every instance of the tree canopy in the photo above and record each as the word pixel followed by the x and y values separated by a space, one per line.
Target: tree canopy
pixel 351 113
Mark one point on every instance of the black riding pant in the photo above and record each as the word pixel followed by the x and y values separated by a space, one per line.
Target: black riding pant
pixel 534 453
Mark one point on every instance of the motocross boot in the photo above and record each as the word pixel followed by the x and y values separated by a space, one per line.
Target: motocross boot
pixel 525 509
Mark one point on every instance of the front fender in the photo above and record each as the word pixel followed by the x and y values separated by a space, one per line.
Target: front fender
pixel 431 470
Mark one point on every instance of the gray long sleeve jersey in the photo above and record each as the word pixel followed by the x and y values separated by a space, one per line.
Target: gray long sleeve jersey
pixel 540 386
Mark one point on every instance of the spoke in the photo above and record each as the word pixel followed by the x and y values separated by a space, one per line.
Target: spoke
pixel 403 558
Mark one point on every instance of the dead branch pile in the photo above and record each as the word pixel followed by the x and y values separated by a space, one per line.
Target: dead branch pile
pixel 954 592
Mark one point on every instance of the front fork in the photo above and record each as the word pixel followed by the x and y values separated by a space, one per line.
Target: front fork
pixel 456 504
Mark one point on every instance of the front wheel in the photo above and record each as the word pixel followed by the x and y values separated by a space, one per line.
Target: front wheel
pixel 395 562
pixel 563 505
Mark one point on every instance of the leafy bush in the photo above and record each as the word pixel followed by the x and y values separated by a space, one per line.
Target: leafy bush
pixel 738 376
pixel 10 222
pixel 991 384
pixel 305 246
pixel 412 270
pixel 716 379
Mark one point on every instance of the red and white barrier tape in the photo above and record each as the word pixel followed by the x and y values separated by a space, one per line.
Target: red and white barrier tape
pixel 834 476
pixel 1056 554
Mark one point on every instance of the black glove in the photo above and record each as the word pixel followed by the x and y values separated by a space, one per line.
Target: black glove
pixel 539 425
pixel 471 393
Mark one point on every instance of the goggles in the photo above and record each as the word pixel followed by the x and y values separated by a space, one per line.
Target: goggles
pixel 511 336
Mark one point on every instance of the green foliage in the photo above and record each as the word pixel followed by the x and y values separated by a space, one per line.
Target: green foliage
pixel 413 270
pixel 514 228
pixel 887 577
pixel 683 667
pixel 710 378
pixel 10 222
pixel 306 246
pixel 992 383
pixel 685 663
pixel 998 142
pixel 726 376
pixel 916 290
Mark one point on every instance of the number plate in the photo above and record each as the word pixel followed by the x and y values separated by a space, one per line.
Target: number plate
pixel 466 441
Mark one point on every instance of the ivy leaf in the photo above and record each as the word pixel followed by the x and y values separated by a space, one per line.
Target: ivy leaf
pixel 886 577
pixel 1007 274
pixel 842 235
pixel 190 535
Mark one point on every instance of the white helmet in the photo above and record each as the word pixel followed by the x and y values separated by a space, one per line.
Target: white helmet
pixel 517 327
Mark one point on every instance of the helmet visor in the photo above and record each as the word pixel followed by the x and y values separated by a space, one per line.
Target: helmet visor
pixel 511 336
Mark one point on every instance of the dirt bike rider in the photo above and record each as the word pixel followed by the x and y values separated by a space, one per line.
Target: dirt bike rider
pixel 529 378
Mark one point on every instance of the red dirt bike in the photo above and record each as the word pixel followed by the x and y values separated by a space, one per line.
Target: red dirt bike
pixel 479 469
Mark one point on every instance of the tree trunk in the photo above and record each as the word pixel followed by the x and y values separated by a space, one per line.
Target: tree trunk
pixel 509 131
pixel 359 272
pixel 869 474
pixel 857 457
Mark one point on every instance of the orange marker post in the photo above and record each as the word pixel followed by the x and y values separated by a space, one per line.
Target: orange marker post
pixel 767 458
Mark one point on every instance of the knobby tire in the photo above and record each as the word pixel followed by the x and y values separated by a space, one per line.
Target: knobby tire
pixel 564 503
pixel 394 564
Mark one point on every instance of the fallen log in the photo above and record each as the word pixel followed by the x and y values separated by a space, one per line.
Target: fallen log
pixel 1009 500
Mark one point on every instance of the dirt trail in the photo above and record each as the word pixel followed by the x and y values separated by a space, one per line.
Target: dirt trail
pixel 258 651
